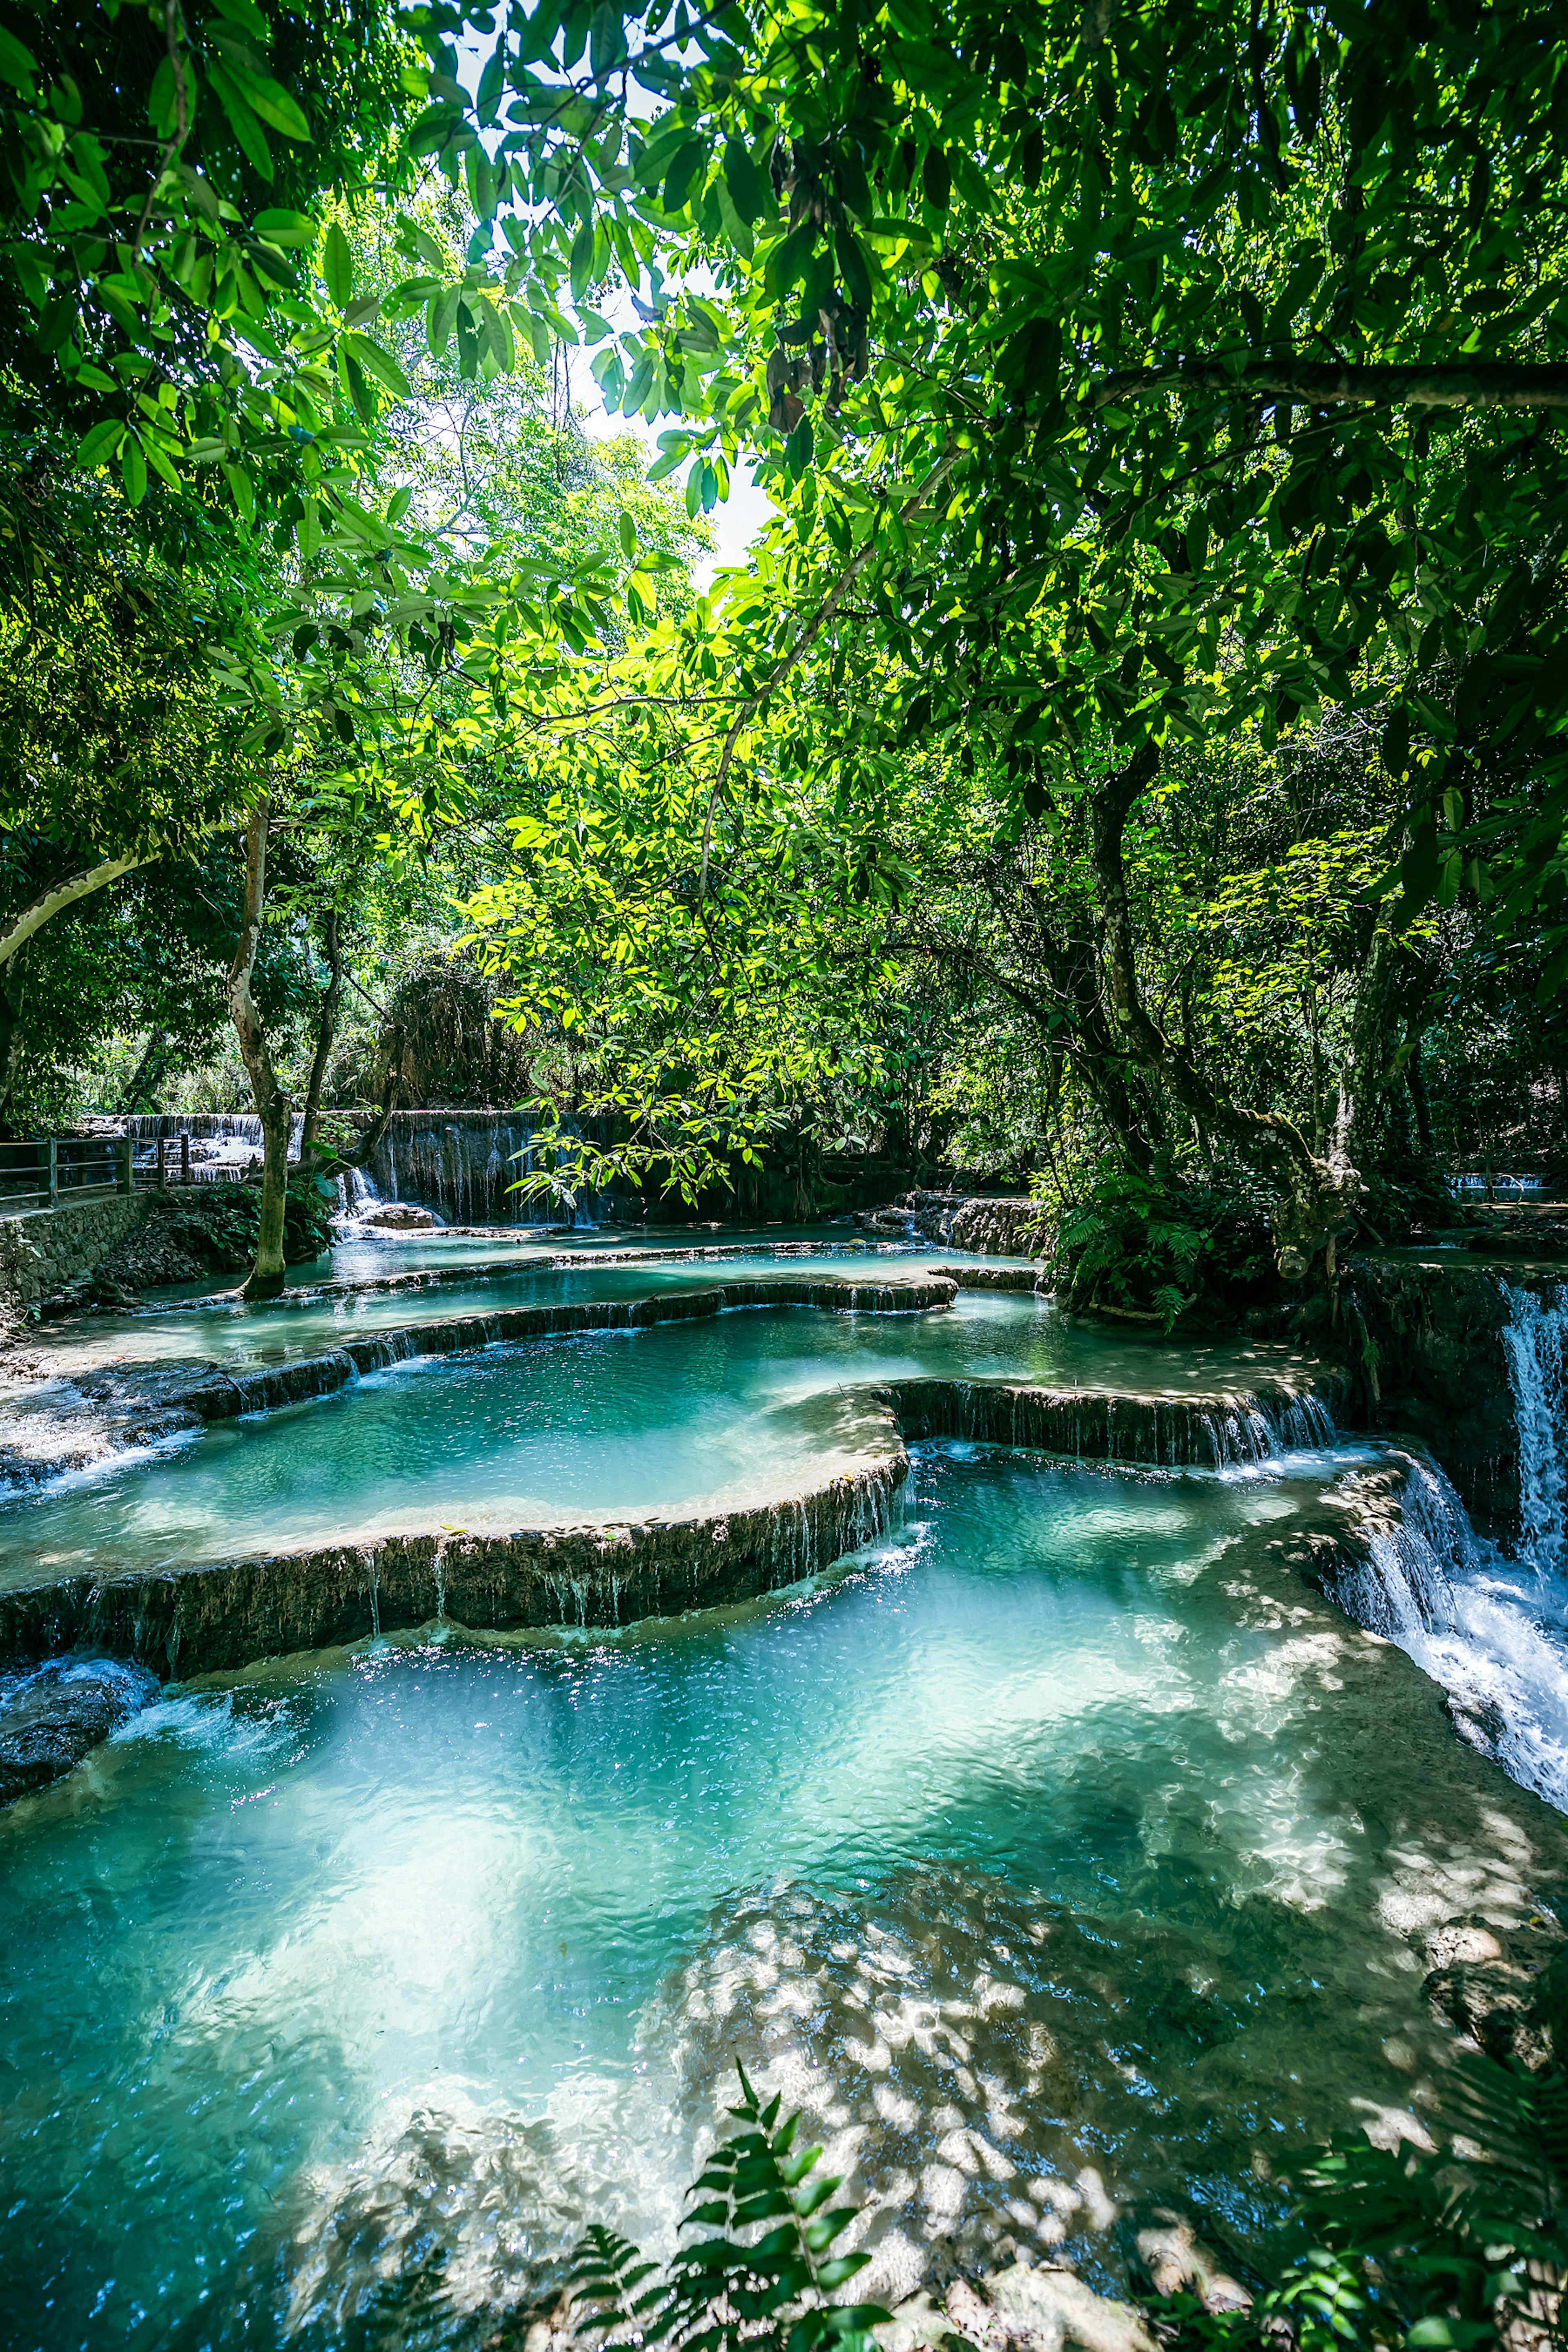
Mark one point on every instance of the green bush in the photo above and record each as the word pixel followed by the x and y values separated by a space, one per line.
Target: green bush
pixel 218 1225
pixel 1152 1248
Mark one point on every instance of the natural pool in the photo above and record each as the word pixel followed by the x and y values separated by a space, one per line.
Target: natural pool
pixel 1056 1856
pixel 613 1423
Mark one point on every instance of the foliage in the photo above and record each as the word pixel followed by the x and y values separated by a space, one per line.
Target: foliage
pixel 1146 1247
pixel 959 254
pixel 764 2281
pixel 1413 2248
pixel 217 1225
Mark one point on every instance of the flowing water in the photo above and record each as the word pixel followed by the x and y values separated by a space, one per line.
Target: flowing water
pixel 1055 1858
pixel 615 1424
pixel 1490 1624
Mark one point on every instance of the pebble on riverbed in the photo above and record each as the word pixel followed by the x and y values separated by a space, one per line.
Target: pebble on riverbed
pixel 52 1715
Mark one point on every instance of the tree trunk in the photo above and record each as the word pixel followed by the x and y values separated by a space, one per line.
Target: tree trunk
pixel 11 992
pixel 1319 1193
pixel 15 935
pixel 326 1033
pixel 148 1075
pixel 266 1276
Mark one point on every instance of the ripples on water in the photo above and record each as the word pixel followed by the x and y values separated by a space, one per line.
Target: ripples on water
pixel 1055 1859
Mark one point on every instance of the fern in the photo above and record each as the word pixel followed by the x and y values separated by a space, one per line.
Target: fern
pixel 764 2281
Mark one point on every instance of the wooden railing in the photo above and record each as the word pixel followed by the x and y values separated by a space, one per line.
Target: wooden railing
pixel 41 1171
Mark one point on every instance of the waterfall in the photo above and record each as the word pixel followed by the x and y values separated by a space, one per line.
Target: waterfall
pixel 1532 1341
pixel 1490 1627
pixel 462 1164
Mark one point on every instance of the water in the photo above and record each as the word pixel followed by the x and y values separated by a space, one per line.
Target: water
pixel 1492 1628
pixel 611 1424
pixel 1057 1858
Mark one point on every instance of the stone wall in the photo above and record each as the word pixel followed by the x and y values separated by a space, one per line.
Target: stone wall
pixel 1442 1372
pixel 44 1249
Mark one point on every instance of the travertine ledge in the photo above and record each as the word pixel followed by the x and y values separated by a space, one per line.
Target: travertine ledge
pixel 213 1617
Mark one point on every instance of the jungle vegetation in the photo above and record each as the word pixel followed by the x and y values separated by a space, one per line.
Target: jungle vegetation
pixel 1130 766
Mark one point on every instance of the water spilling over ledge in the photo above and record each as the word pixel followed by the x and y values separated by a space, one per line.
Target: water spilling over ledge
pixel 210 1616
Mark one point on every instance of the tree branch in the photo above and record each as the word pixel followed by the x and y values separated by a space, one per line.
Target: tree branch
pixel 786 662
pixel 1475 383
pixel 21 927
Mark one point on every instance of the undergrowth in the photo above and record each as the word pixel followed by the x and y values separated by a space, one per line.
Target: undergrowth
pixel 1152 1246
pixel 217 1225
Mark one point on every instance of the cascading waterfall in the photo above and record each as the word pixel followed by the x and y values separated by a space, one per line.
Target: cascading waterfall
pixel 1490 1628
pixel 1533 1342
pixel 462 1164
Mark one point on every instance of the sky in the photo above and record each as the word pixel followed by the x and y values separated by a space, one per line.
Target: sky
pixel 736 520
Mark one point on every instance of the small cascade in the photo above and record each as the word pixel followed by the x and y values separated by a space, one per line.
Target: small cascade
pixel 1491 1629
pixel 1405 1588
pixel 1533 1340
pixel 463 1165
pixel 224 1141
pixel 357 1193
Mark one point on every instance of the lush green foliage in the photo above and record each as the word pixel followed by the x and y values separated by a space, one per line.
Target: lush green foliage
pixel 764 2279
pixel 217 1225
pixel 1158 371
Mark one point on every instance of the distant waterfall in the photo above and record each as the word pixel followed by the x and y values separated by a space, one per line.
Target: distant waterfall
pixel 1490 1628
pixel 463 1164
pixel 1534 1342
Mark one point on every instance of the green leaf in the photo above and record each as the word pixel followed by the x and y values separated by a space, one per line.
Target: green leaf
pixel 936 179
pixel 338 265
pixel 440 316
pixel 787 259
pixel 607 39
pixel 285 228
pixel 736 228
pixel 853 267
pixel 627 530
pixel 377 361
pixel 134 471
pixel 246 14
pixel 18 64
pixel 834 2273
pixel 272 102
pixel 690 158
pixel 397 506
pixel 95 445
pixel 582 260
pixel 249 134
pixel 749 186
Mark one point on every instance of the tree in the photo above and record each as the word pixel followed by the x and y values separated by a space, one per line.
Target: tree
pixel 1225 390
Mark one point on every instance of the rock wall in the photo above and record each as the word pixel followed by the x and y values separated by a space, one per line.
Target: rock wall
pixel 45 1249
pixel 1008 1227
pixel 1442 1368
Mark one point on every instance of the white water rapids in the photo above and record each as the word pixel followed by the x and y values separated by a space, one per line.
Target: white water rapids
pixel 1490 1628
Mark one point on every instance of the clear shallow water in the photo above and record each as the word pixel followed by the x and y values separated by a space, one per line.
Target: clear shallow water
pixel 402 1286
pixel 1058 1859
pixel 612 1424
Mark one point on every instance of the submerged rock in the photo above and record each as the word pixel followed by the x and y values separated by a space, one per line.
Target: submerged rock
pixel 1504 1988
pixel 52 1717
pixel 1044 2310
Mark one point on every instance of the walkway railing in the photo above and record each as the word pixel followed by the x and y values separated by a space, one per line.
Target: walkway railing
pixel 41 1171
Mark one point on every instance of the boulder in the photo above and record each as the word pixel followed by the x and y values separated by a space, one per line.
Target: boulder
pixel 50 1717
pixel 399 1217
